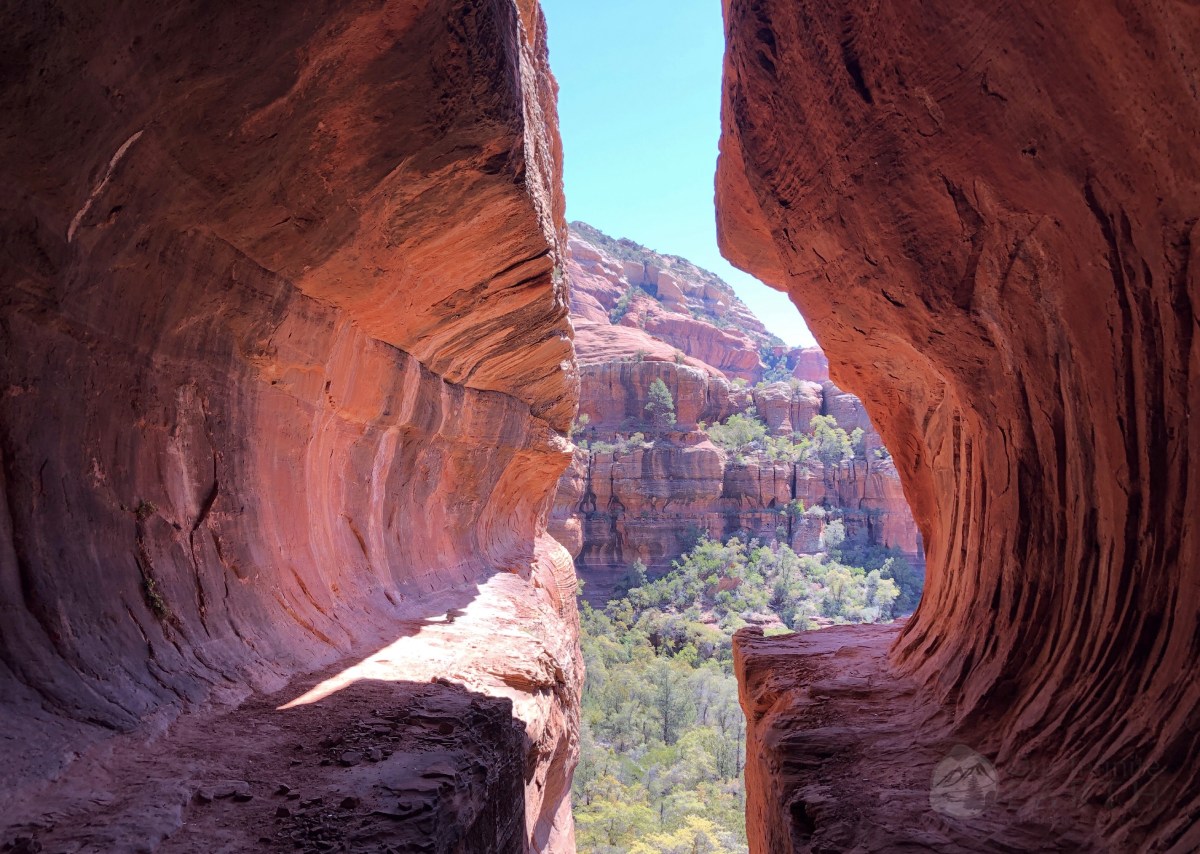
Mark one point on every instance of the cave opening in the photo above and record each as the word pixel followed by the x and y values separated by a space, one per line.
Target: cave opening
pixel 721 480
pixel 277 562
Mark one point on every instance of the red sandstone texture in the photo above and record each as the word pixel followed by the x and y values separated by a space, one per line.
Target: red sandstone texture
pixel 638 501
pixel 286 371
pixel 664 308
pixel 987 213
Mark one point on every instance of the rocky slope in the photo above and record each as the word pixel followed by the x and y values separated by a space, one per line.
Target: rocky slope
pixel 646 499
pixel 269 400
pixel 987 213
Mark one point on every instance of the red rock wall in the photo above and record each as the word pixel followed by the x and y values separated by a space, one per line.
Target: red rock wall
pixel 649 503
pixel 285 349
pixel 987 213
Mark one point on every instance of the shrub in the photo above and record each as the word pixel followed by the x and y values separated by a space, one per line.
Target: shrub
pixel 622 306
pixel 661 407
pixel 580 424
pixel 739 432
pixel 830 442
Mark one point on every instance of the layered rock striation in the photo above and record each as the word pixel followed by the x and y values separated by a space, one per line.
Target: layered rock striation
pixel 637 492
pixel 287 367
pixel 987 214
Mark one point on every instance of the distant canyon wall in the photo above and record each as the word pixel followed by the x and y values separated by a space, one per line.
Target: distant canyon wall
pixel 623 501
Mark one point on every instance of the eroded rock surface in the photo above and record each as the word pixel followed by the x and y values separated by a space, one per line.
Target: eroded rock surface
pixel 987 213
pixel 286 357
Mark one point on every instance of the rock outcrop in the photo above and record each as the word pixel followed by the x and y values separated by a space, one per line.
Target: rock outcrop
pixel 988 215
pixel 637 493
pixel 287 371
pixel 663 307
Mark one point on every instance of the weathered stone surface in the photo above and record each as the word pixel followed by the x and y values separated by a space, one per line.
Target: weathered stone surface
pixel 732 352
pixel 285 353
pixel 790 407
pixel 987 213
pixel 613 395
pixel 809 364
pixel 697 316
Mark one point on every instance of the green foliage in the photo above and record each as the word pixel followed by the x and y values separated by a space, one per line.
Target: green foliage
pixel 858 444
pixel 740 431
pixel 622 306
pixel 662 737
pixel 833 535
pixel 831 444
pixel 794 449
pixel 620 444
pixel 635 576
pixel 891 564
pixel 776 366
pixel 580 424
pixel 661 406
pixel 154 599
pixel 692 535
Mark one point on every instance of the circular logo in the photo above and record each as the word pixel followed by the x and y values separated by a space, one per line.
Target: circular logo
pixel 964 784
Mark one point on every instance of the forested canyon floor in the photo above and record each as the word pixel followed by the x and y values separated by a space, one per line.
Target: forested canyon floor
pixel 663 738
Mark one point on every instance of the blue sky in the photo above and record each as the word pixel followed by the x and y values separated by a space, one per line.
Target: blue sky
pixel 639 109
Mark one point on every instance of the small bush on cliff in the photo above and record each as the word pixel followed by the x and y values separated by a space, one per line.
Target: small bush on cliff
pixel 858 443
pixel 739 432
pixel 622 306
pixel 792 450
pixel 831 443
pixel 580 424
pixel 661 407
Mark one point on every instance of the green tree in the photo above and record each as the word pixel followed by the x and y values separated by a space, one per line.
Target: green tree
pixel 833 535
pixel 858 443
pixel 580 424
pixel 830 442
pixel 672 705
pixel 661 407
pixel 739 432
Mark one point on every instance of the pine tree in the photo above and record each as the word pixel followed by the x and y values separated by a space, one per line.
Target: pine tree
pixel 661 407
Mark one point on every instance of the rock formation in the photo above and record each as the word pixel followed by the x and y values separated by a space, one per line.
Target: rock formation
pixel 987 213
pixel 286 377
pixel 628 499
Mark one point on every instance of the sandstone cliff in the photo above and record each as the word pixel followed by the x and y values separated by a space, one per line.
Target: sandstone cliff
pixel 286 375
pixel 647 499
pixel 987 213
